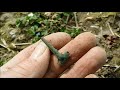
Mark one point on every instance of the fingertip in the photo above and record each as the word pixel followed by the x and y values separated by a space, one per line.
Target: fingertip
pixel 88 36
pixel 91 76
pixel 59 39
pixel 100 53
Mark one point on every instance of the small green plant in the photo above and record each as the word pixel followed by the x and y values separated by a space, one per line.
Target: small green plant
pixel 30 19
pixel 37 24
pixel 2 62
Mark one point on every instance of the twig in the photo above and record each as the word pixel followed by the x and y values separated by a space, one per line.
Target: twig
pixel 117 35
pixel 117 69
pixel 110 29
pixel 67 19
pixel 3 41
pixel 76 19
pixel 101 29
pixel 107 65
pixel 5 47
pixel 20 44
pixel 116 66
pixel 102 76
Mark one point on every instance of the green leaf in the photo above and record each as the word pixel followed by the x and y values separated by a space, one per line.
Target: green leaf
pixel 32 30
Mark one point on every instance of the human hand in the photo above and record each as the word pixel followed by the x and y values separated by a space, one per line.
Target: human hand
pixel 36 61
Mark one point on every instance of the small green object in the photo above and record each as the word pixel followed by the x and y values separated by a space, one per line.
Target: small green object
pixel 62 58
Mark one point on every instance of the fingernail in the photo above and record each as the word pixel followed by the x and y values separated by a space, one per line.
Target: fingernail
pixel 39 50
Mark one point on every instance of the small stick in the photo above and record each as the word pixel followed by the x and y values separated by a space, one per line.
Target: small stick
pixel 67 19
pixel 62 58
pixel 20 44
pixel 76 19
pixel 117 69
pixel 110 29
pixel 117 35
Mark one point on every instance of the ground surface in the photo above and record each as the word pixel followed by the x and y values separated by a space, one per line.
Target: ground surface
pixel 20 29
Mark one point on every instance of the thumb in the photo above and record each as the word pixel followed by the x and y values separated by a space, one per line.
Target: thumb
pixel 35 66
